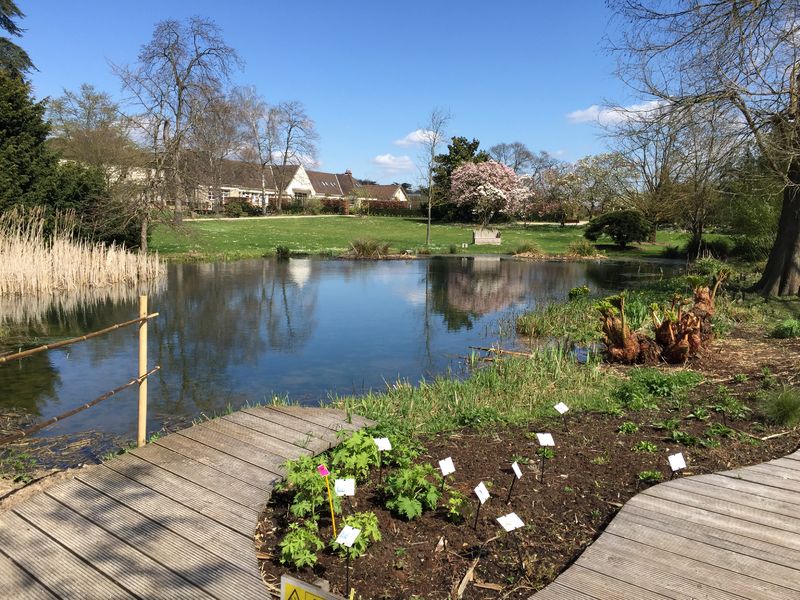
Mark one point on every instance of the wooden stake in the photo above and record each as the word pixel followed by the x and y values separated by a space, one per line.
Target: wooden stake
pixel 330 501
pixel 477 512
pixel 141 437
pixel 511 489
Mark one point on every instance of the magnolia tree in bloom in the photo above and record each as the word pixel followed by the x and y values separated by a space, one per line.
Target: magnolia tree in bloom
pixel 489 188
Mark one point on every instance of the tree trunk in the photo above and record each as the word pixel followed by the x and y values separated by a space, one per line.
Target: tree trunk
pixel 781 276
pixel 143 236
pixel 651 237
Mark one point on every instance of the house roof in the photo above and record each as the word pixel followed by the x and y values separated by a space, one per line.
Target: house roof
pixel 325 183
pixel 379 192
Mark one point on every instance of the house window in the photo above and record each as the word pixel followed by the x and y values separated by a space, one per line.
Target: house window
pixel 300 196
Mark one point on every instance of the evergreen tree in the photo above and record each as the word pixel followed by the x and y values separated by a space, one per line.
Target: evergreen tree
pixel 459 151
pixel 12 57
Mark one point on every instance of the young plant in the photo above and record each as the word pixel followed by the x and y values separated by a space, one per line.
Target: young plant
pixel 718 430
pixel 650 477
pixel 667 425
pixel 456 505
pixel 644 446
pixel 300 545
pixel 354 456
pixel 545 452
pixel 681 437
pixel 628 427
pixel 700 413
pixel 367 522
pixel 410 491
pixel 309 489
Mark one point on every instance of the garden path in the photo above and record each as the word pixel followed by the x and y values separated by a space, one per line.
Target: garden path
pixel 174 519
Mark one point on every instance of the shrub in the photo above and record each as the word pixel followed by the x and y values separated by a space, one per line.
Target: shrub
pixel 578 292
pixel 582 248
pixel 308 487
pixel 313 206
pixel 410 491
pixel 300 545
pixel 367 522
pixel 788 328
pixel 624 227
pixel 283 252
pixel 369 248
pixel 782 406
pixel 239 207
pixel 453 249
pixel 528 248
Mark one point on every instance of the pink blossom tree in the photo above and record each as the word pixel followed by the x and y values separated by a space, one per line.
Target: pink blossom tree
pixel 489 188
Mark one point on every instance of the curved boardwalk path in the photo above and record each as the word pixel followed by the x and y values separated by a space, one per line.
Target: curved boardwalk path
pixel 732 535
pixel 174 519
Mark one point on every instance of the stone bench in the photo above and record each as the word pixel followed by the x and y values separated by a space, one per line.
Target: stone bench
pixel 486 237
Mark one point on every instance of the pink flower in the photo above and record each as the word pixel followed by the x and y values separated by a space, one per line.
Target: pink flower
pixel 490 188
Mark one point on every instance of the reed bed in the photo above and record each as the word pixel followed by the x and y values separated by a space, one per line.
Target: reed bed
pixel 34 263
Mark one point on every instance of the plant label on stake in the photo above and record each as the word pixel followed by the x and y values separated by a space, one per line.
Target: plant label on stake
pixel 347 538
pixel 323 470
pixel 545 441
pixel 517 475
pixel 347 488
pixel 483 495
pixel 676 463
pixel 384 445
pixel 447 467
pixel 562 409
pixel 511 522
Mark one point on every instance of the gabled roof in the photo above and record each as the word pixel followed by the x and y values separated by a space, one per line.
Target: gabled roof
pixel 346 182
pixel 379 192
pixel 325 184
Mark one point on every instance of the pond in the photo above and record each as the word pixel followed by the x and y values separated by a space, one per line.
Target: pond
pixel 234 333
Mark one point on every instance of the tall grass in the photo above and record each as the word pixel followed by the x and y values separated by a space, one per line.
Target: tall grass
pixel 33 263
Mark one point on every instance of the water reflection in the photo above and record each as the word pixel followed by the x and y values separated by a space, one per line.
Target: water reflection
pixel 231 333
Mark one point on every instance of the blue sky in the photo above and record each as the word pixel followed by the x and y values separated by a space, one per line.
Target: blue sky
pixel 370 72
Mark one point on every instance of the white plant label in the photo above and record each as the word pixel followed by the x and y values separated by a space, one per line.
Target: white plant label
pixel 517 470
pixel 383 444
pixel 345 487
pixel 545 439
pixel 677 462
pixel 561 408
pixel 446 466
pixel 510 522
pixel 481 492
pixel 347 536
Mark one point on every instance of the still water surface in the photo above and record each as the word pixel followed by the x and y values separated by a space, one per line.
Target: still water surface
pixel 241 332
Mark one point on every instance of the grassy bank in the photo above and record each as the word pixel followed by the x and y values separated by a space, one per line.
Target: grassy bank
pixel 252 238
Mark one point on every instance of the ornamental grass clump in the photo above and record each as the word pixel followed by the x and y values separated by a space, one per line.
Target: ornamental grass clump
pixel 368 248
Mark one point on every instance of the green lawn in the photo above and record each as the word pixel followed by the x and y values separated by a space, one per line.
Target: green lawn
pixel 247 238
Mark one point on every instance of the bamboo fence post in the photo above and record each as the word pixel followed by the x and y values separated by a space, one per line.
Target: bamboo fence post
pixel 141 437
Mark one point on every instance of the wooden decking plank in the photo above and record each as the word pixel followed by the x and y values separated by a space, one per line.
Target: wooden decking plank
pixel 682 566
pixel 726 508
pixel 217 576
pixel 787 463
pixel 713 537
pixel 180 490
pixel 251 495
pixel 771 505
pixel 602 586
pixel 302 440
pixel 647 575
pixel 285 450
pixel 212 535
pixel 703 516
pixel 749 487
pixel 237 449
pixel 318 416
pixel 55 567
pixel 297 424
pixel 768 479
pixel 558 591
pixel 789 475
pixel 18 583
pixel 691 529
pixel 700 552
pixel 225 463
pixel 120 562
pixel 353 421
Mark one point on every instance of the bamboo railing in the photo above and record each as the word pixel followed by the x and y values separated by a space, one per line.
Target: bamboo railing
pixel 140 380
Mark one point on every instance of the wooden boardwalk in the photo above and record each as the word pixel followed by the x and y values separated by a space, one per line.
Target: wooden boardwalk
pixel 732 535
pixel 174 519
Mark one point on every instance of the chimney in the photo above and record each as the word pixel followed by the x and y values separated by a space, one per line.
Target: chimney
pixel 348 172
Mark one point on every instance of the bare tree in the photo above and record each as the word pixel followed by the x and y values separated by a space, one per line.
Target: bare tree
pixel 291 139
pixel 516 156
pixel 182 62
pixel 258 141
pixel 604 181
pixel 434 134
pixel 741 56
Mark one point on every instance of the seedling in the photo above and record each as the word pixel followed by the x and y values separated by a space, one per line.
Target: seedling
pixel 483 495
pixel 456 502
pixel 700 413
pixel 681 437
pixel 650 477
pixel 644 446
pixel 628 427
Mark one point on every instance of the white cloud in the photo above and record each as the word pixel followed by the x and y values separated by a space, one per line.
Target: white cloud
pixel 390 163
pixel 415 137
pixel 611 116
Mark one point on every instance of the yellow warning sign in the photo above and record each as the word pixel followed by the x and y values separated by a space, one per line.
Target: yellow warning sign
pixel 294 589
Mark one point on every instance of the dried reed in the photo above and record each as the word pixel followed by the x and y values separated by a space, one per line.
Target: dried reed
pixel 33 263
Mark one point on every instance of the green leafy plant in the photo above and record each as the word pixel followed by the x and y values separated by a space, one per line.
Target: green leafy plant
pixel 308 488
pixel 645 446
pixel 578 292
pixel 545 452
pixel 650 477
pixel 768 380
pixel 628 427
pixel 283 252
pixel 411 490
pixel 17 466
pixel 681 437
pixel 300 545
pixel 728 405
pixel 601 459
pixel 456 505
pixel 699 413
pixel 718 430
pixel 355 454
pixel 367 522
pixel 788 328
pixel 666 425
pixel 740 378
